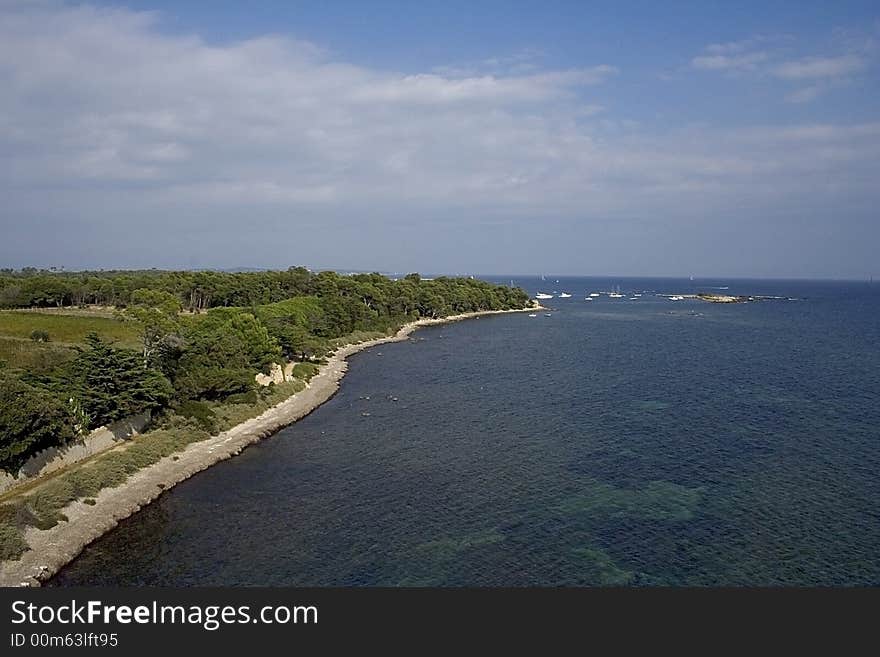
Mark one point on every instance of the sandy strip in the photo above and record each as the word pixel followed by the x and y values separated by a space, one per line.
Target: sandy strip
pixel 53 548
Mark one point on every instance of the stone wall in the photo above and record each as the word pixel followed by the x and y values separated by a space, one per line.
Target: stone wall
pixel 54 458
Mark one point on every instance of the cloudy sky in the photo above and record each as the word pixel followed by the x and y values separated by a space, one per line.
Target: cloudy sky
pixel 707 139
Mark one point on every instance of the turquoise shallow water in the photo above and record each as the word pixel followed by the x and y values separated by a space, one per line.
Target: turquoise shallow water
pixel 642 442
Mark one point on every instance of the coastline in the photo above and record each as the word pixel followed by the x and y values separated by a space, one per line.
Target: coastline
pixel 52 549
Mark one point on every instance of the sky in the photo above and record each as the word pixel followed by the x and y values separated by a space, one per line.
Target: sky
pixel 713 139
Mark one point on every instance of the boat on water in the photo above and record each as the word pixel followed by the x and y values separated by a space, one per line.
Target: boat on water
pixel 588 298
pixel 676 298
pixel 594 294
pixel 542 295
pixel 532 315
pixel 615 295
pixel 547 315
pixel 564 295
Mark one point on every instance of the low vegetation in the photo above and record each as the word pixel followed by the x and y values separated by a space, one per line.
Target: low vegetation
pixel 305 371
pixel 67 329
pixel 27 356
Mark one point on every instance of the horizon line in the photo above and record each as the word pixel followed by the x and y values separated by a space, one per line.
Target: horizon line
pixel 345 270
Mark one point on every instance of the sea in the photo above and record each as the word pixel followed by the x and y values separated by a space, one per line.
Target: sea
pixel 633 441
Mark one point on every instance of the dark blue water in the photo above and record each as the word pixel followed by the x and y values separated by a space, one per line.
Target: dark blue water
pixel 642 442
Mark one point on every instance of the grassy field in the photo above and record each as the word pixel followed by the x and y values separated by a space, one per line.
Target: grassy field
pixel 35 357
pixel 73 311
pixel 67 328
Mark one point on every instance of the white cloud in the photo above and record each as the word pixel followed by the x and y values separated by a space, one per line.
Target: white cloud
pixel 734 62
pixel 106 118
pixel 818 73
pixel 820 67
pixel 730 47
pixel 435 89
pixel 738 56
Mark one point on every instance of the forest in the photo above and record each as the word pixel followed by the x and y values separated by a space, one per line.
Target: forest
pixel 93 347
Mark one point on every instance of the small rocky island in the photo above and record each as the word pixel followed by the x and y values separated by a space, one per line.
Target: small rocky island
pixel 721 298
pixel 729 298
pixel 710 297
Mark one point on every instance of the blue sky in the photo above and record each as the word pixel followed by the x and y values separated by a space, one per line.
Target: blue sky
pixel 643 138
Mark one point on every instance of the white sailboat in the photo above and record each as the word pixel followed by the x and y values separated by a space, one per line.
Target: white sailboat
pixel 542 295
pixel 615 294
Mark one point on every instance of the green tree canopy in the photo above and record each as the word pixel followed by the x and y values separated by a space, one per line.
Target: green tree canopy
pixel 110 384
pixel 226 340
pixel 30 420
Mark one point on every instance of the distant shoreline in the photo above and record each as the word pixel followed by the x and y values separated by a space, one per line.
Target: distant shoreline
pixel 52 549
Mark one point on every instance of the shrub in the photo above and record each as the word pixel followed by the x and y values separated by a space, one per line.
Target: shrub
pixel 305 371
pixel 38 335
pixel 15 514
pixel 12 543
pixel 362 336
pixel 48 500
pixel 249 397
pixel 84 482
pixel 199 411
